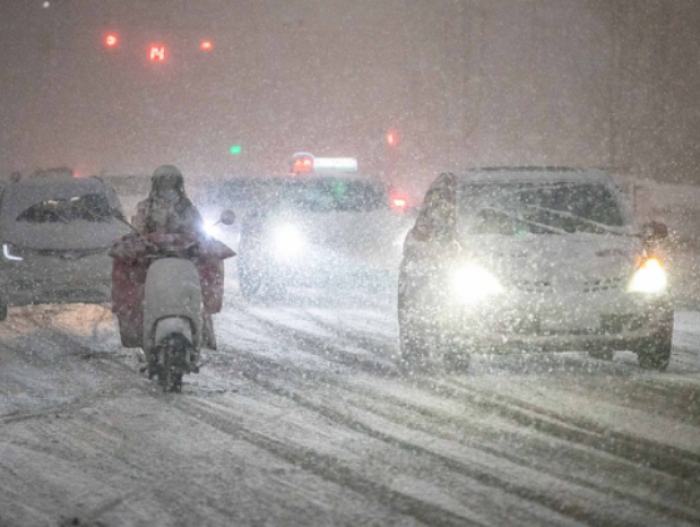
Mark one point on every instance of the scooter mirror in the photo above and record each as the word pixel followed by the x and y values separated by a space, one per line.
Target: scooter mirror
pixel 228 217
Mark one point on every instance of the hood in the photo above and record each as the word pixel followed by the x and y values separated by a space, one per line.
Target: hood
pixel 76 235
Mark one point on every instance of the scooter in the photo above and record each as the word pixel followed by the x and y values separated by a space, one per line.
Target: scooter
pixel 165 287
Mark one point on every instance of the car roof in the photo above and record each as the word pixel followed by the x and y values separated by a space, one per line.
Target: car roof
pixel 303 178
pixel 535 174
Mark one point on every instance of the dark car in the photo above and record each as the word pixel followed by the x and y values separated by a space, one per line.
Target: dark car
pixel 55 232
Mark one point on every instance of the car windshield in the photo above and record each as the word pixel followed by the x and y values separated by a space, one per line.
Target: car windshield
pixel 331 194
pixel 86 207
pixel 518 208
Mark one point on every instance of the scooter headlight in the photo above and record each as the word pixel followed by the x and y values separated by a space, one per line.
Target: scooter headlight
pixel 288 241
pixel 211 229
pixel 650 278
pixel 472 283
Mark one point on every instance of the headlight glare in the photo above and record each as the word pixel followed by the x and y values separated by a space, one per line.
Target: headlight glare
pixel 287 241
pixel 649 278
pixel 472 283
pixel 211 229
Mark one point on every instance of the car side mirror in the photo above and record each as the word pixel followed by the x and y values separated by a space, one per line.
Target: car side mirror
pixel 228 217
pixel 654 231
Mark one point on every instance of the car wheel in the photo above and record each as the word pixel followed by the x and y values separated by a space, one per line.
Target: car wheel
pixel 654 353
pixel 413 347
pixel 3 311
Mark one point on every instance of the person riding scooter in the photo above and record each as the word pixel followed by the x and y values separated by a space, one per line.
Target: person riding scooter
pixel 168 210
pixel 167 230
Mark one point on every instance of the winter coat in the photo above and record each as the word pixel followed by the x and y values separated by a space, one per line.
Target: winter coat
pixel 155 215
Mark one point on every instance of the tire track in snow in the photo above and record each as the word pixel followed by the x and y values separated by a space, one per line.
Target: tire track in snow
pixel 680 513
pixel 550 501
pixel 330 469
pixel 666 458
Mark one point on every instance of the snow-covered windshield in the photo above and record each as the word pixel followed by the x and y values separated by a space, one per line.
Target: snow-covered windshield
pixel 517 208
pixel 326 194
pixel 88 207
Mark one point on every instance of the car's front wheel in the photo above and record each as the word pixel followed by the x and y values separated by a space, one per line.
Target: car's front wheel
pixel 654 353
pixel 414 347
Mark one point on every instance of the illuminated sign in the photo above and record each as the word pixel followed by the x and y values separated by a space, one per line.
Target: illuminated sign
pixel 156 53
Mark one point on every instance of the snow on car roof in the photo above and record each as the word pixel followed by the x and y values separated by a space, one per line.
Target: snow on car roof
pixel 543 175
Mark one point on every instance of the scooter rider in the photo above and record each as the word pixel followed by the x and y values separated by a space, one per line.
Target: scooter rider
pixel 168 210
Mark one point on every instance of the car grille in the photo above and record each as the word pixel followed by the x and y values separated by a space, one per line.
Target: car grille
pixel 590 285
pixel 603 284
pixel 533 286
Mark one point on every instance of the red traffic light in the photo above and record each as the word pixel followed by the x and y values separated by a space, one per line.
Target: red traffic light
pixel 111 40
pixel 206 45
pixel 156 53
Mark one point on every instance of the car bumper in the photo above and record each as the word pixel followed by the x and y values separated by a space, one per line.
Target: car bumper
pixel 616 321
pixel 48 282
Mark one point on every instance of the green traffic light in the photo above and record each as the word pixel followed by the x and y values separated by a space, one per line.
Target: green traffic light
pixel 236 150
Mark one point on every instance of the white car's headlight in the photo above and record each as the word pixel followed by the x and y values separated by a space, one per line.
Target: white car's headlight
pixel 472 283
pixel 649 278
pixel 288 241
pixel 8 253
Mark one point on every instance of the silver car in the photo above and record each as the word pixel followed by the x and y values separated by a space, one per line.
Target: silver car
pixel 55 231
pixel 532 258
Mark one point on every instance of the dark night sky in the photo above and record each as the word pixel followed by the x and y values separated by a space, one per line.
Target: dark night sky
pixel 551 81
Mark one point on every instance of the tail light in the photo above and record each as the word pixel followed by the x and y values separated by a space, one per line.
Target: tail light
pixel 398 202
pixel 302 163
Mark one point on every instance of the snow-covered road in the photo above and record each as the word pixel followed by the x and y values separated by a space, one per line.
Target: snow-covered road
pixel 301 418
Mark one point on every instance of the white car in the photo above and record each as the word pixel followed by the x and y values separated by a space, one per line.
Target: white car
pixel 55 231
pixel 543 258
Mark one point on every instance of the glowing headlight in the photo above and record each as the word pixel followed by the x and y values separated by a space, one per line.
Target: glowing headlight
pixel 649 278
pixel 7 253
pixel 472 283
pixel 211 229
pixel 287 241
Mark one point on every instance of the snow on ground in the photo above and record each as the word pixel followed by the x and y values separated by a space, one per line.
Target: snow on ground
pixel 301 417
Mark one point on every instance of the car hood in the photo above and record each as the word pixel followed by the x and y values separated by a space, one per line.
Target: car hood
pixel 573 262
pixel 75 235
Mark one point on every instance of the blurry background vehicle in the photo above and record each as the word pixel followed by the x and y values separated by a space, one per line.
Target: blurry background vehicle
pixel 319 231
pixel 545 258
pixel 55 232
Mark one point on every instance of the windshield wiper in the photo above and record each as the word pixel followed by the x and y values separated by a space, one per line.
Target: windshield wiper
pixel 551 228
pixel 563 214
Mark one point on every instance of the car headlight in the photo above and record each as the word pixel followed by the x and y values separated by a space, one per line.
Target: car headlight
pixel 287 240
pixel 472 283
pixel 649 278
pixel 8 253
